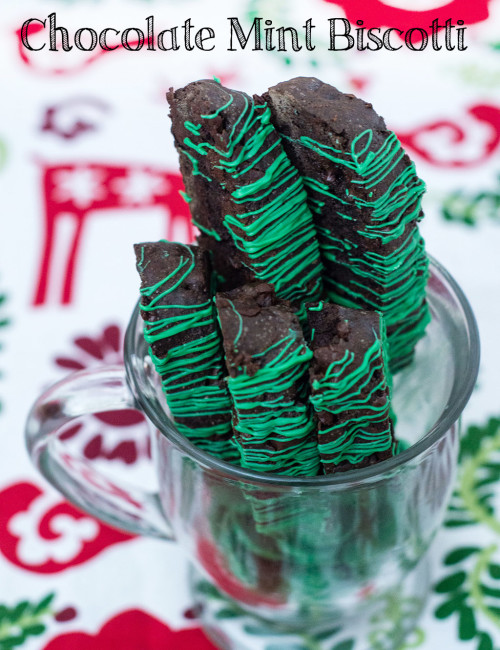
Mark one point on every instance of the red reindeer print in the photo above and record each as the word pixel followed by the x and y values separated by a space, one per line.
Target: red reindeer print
pixel 82 190
pixel 460 136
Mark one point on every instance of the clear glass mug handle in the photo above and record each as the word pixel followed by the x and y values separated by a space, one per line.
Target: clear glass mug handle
pixel 83 393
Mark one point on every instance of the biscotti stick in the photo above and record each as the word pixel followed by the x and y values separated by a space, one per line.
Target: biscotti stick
pixel 349 387
pixel 205 202
pixel 366 200
pixel 185 345
pixel 267 360
pixel 229 141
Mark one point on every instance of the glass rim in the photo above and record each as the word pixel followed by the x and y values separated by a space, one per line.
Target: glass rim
pixel 447 419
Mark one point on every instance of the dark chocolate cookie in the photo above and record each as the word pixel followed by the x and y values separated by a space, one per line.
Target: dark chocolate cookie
pixel 185 345
pixel 246 196
pixel 366 200
pixel 267 360
pixel 350 390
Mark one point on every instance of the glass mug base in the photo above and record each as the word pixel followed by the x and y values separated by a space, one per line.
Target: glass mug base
pixel 333 555
pixel 383 621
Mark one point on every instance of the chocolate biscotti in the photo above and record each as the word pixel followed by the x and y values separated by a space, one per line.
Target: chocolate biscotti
pixel 267 359
pixel 308 209
pixel 206 207
pixel 185 345
pixel 257 211
pixel 349 387
pixel 366 199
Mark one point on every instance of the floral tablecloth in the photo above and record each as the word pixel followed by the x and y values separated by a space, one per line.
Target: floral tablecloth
pixel 87 167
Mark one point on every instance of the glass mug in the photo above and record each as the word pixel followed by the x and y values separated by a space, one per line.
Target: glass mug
pixel 284 562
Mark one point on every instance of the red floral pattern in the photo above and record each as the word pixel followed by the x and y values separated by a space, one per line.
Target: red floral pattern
pixel 133 630
pixel 422 140
pixel 375 13
pixel 73 117
pixel 111 435
pixel 41 526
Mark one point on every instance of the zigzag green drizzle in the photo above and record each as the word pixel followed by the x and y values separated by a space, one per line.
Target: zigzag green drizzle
pixel 340 392
pixel 264 413
pixel 400 203
pixel 401 300
pixel 277 238
pixel 400 275
pixel 192 372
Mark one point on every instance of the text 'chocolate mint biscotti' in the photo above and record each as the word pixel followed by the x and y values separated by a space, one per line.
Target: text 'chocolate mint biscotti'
pixel 251 197
pixel 267 360
pixel 366 199
pixel 181 328
pixel 350 388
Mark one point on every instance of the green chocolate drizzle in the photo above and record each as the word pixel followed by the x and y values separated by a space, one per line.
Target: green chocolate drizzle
pixel 349 390
pixel 398 271
pixel 274 429
pixel 191 372
pixel 207 231
pixel 271 223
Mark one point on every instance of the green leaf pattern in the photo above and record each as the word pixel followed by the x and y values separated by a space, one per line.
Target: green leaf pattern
pixel 4 321
pixel 23 620
pixel 467 590
pixel 390 618
pixel 470 588
pixel 471 209
pixel 3 153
